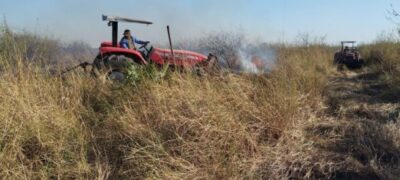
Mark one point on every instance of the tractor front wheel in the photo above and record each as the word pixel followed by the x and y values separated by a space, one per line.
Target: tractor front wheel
pixel 209 66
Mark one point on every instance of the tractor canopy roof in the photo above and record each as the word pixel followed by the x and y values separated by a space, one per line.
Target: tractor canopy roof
pixel 347 43
pixel 123 19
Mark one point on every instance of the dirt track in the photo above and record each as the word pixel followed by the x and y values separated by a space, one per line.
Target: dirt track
pixel 365 126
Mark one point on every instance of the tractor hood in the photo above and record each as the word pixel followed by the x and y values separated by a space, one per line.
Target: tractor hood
pixel 180 57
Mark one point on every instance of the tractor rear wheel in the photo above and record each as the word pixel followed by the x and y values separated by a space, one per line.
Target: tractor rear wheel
pixel 112 67
pixel 337 59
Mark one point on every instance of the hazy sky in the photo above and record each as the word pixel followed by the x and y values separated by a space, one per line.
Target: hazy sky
pixel 266 20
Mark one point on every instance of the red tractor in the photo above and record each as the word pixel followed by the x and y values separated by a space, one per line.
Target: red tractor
pixel 348 56
pixel 112 60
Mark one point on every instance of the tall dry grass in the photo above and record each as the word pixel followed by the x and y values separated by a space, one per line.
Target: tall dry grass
pixel 383 57
pixel 229 125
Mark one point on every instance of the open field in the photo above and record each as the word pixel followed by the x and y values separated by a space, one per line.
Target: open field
pixel 302 120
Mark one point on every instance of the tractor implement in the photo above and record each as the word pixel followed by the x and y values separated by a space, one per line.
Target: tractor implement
pixel 83 65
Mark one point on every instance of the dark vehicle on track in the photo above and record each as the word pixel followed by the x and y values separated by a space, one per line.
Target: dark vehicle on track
pixel 349 56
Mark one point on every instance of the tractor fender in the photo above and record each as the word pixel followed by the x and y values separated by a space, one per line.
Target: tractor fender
pixel 136 55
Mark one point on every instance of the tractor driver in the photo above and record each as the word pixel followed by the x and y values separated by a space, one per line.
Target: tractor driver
pixel 346 49
pixel 128 41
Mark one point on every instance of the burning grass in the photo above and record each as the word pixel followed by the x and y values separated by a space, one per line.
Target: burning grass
pixel 229 125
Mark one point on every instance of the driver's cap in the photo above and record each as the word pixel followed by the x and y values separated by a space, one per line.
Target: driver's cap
pixel 127 31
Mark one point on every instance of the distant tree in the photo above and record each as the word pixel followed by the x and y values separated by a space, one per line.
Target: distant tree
pixel 394 12
pixel 226 46
pixel 394 16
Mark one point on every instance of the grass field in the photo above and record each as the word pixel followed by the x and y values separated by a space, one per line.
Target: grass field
pixel 302 120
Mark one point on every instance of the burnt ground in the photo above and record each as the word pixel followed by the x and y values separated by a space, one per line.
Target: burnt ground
pixel 365 132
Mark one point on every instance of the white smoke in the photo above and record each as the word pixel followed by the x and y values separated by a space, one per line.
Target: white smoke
pixel 234 51
pixel 257 58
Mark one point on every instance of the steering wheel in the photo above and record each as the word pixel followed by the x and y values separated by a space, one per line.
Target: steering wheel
pixel 144 46
pixel 143 50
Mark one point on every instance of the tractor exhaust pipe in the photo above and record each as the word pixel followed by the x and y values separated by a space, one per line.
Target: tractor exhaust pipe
pixel 114 26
